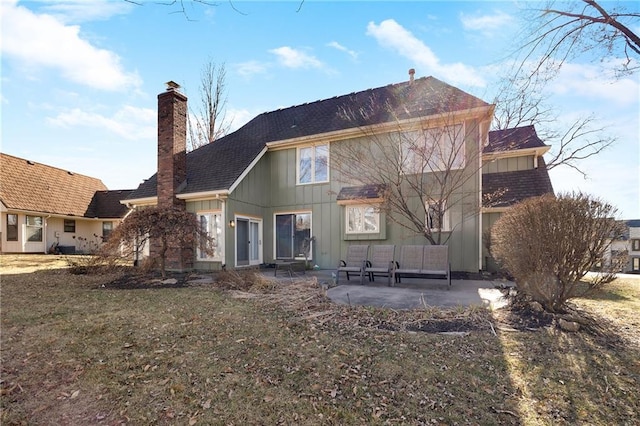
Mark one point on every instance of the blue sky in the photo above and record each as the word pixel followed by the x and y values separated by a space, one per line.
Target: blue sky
pixel 80 78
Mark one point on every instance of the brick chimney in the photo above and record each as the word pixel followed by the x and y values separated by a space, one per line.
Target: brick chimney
pixel 172 145
pixel 172 166
pixel 412 73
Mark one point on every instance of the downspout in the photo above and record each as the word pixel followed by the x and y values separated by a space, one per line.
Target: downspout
pixel 44 232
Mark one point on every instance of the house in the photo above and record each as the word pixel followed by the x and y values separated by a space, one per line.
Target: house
pixel 513 169
pixel 629 245
pixel 42 206
pixel 271 190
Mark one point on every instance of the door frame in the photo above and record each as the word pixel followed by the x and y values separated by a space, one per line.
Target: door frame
pixel 257 222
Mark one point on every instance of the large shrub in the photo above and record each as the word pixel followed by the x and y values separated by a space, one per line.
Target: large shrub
pixel 549 244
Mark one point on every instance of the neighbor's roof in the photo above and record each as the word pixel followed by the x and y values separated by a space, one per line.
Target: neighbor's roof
pixel 216 166
pixel 107 205
pixel 29 186
pixel 513 139
pixel 507 188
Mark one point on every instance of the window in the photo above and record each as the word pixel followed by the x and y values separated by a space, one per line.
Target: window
pixel 635 245
pixel 437 216
pixel 362 220
pixel 12 227
pixel 34 228
pixel 436 149
pixel 107 229
pixel 210 250
pixel 313 164
pixel 293 236
pixel 69 225
pixel 635 264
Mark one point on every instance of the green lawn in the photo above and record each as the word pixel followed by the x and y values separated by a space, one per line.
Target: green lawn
pixel 75 352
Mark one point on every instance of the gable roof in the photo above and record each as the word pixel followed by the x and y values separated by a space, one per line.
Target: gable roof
pixel 517 138
pixel 504 189
pixel 107 205
pixel 217 166
pixel 29 186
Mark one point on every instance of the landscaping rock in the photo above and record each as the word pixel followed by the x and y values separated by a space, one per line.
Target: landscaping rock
pixel 570 326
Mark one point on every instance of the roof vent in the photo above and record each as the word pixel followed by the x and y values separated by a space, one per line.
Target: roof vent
pixel 31 163
pixel 412 72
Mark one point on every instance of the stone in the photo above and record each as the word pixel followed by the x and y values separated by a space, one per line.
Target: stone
pixel 570 326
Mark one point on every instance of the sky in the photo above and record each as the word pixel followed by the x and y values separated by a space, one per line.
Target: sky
pixel 80 78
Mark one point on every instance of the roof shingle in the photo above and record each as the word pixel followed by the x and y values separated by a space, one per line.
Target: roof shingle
pixel 512 139
pixel 218 165
pixel 30 186
pixel 507 188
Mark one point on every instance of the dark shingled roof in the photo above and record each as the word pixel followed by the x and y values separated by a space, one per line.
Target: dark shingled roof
pixel 360 192
pixel 218 165
pixel 512 139
pixel 107 205
pixel 507 188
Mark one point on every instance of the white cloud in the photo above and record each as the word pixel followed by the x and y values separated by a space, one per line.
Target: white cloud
pixel 293 58
pixel 42 41
pixel 342 48
pixel 250 68
pixel 83 11
pixel 238 118
pixel 590 82
pixel 488 25
pixel 393 36
pixel 129 122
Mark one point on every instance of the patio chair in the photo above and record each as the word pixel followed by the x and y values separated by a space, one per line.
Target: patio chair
pixel 381 262
pixel 354 262
pixel 435 261
pixel 410 261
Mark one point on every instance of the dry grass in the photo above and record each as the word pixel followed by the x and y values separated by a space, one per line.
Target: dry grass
pixel 77 353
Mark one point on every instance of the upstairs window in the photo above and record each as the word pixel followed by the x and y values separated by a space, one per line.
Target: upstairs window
pixel 432 150
pixel 107 229
pixel 635 245
pixel 313 164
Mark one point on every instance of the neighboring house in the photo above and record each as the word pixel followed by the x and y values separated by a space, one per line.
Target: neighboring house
pixel 630 245
pixel 42 206
pixel 513 170
pixel 264 191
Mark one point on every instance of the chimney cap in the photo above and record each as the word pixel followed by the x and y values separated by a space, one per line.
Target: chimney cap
pixel 172 85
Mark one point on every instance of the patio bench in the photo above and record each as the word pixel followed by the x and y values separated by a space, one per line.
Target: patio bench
pixel 381 262
pixel 355 262
pixel 423 261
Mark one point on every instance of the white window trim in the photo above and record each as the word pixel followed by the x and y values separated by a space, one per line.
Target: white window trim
pixel 220 240
pixel 426 168
pixel 310 213
pixel 446 217
pixel 361 207
pixel 313 164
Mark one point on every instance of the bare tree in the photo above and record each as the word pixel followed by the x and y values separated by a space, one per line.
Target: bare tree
pixel 562 30
pixel 523 100
pixel 417 174
pixel 548 244
pixel 171 228
pixel 208 121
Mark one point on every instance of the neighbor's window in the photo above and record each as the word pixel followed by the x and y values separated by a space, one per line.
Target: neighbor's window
pixel 35 225
pixel 362 219
pixel 431 150
pixel 107 229
pixel 69 225
pixel 635 264
pixel 313 164
pixel 635 245
pixel 210 250
pixel 12 227
pixel 437 216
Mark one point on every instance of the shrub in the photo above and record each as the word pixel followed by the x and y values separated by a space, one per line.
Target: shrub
pixel 549 244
